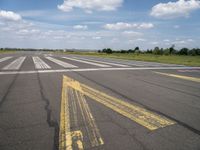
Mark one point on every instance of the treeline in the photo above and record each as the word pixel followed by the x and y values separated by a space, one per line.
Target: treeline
pixel 156 51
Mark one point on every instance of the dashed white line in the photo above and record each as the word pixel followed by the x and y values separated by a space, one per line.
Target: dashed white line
pixel 87 62
pixel 40 64
pixel 5 58
pixel 61 63
pixel 15 65
pixel 108 63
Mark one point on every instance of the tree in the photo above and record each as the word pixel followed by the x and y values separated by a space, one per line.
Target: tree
pixel 198 51
pixel 171 49
pixel 184 51
pixel 149 51
pixel 157 51
pixel 107 50
pixel 131 51
pixel 137 48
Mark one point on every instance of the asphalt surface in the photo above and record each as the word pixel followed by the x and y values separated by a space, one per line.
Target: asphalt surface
pixel 32 103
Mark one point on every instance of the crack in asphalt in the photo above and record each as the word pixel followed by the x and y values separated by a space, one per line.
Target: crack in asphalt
pixel 52 123
pixel 8 90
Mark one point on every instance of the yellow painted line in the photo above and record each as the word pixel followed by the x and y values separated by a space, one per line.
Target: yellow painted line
pixel 78 136
pixel 90 124
pixel 65 135
pixel 65 138
pixel 74 139
pixel 138 114
pixel 180 76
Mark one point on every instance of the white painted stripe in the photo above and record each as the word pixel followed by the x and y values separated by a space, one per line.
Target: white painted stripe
pixel 141 63
pixel 5 58
pixel 108 63
pixel 87 62
pixel 15 65
pixel 40 64
pixel 121 61
pixel 93 69
pixel 61 63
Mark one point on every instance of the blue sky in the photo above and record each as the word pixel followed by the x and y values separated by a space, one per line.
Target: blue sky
pixel 89 24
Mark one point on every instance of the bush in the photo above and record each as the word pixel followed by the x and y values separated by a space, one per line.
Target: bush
pixel 158 51
pixel 184 51
pixel 166 51
pixel 137 48
pixel 107 50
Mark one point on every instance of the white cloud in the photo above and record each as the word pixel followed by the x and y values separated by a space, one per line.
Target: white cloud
pixel 180 42
pixel 180 8
pixel 80 27
pixel 125 26
pixel 96 38
pixel 28 32
pixel 154 43
pixel 166 40
pixel 132 33
pixel 137 40
pixel 9 15
pixel 140 39
pixel 176 27
pixel 190 40
pixel 90 5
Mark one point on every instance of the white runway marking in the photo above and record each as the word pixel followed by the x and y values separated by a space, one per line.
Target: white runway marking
pixel 140 63
pixel 127 63
pixel 5 58
pixel 15 65
pixel 61 63
pixel 94 69
pixel 40 64
pixel 108 63
pixel 87 62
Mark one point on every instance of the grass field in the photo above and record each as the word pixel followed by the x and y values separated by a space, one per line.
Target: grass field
pixel 172 59
pixel 6 51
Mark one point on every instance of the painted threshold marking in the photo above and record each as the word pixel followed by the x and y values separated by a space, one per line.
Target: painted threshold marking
pixel 15 65
pixel 40 64
pixel 61 63
pixel 108 63
pixel 93 69
pixel 86 62
pixel 138 114
pixel 5 58
pixel 71 99
pixel 180 76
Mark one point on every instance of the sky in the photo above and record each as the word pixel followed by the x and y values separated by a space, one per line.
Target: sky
pixel 98 24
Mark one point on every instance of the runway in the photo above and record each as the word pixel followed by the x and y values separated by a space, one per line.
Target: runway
pixel 56 101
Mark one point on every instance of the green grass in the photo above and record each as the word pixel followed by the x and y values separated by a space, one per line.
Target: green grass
pixel 6 51
pixel 171 59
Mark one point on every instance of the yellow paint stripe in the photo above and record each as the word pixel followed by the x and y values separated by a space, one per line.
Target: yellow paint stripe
pixel 65 138
pixel 90 124
pixel 65 135
pixel 74 139
pixel 78 136
pixel 180 76
pixel 92 131
pixel 138 114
